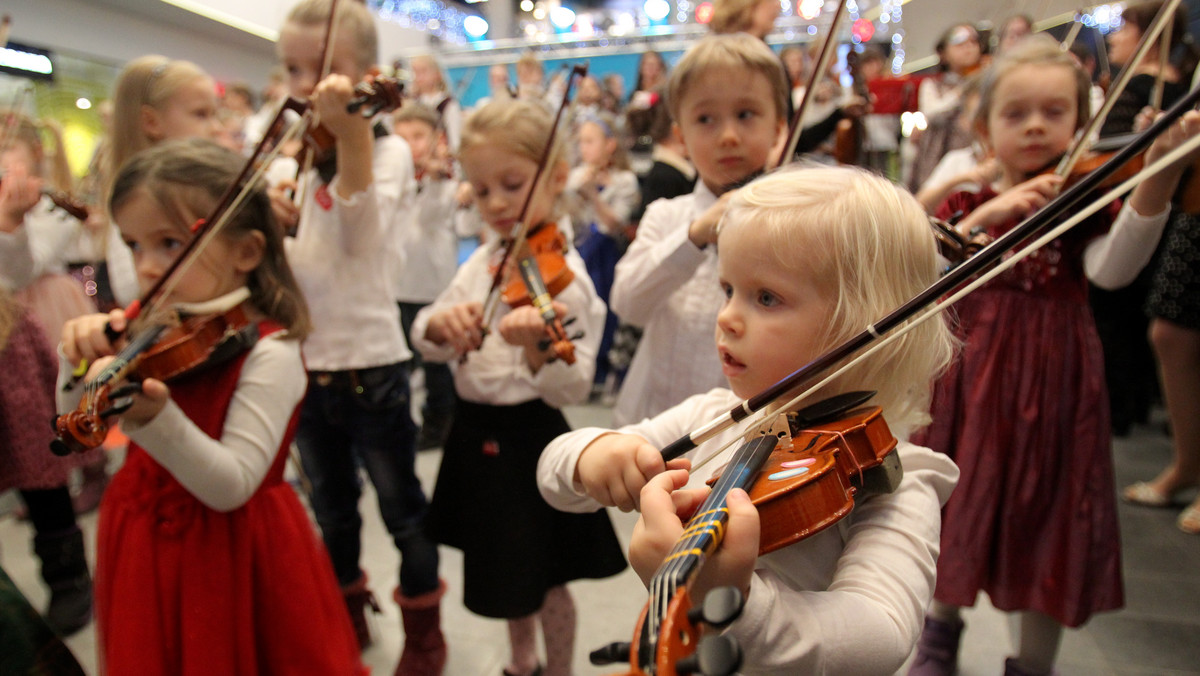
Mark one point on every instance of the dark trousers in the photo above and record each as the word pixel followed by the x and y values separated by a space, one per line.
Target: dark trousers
pixel 361 418
pixel 439 382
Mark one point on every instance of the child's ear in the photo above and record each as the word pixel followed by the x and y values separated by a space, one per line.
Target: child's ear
pixel 248 252
pixel 151 122
pixel 678 133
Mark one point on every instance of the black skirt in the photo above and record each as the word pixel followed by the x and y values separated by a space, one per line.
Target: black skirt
pixel 486 503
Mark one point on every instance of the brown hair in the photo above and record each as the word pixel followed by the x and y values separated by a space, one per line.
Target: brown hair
pixel 417 112
pixel 1142 15
pixel 352 16
pixel 186 177
pixel 732 16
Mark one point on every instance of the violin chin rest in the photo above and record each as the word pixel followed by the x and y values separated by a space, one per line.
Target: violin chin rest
pixel 883 478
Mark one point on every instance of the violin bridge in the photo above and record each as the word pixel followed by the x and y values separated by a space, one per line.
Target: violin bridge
pixel 776 426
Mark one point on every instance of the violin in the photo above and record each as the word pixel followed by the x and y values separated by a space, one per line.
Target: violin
pixel 538 255
pixel 382 94
pixel 803 473
pixel 163 352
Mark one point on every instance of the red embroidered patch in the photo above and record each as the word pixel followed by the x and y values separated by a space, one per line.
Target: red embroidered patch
pixel 324 199
pixel 491 447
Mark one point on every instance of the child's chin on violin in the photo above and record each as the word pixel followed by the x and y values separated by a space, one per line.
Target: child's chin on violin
pixel 806 258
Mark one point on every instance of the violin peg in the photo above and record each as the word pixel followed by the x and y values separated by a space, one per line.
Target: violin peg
pixel 721 606
pixel 60 448
pixel 612 653
pixel 717 655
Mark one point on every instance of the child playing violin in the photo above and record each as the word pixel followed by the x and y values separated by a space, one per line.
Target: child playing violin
pixel 206 561
pixel 807 257
pixel 518 553
pixel 356 412
pixel 1024 413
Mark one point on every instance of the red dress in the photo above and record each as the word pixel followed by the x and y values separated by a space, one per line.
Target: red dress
pixel 182 589
pixel 1024 414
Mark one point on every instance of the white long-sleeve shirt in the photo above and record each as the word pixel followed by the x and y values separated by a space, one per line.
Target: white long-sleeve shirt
pixel 497 373
pixel 1114 259
pixel 223 473
pixel 849 600
pixel 343 259
pixel 49 239
pixel 426 240
pixel 668 286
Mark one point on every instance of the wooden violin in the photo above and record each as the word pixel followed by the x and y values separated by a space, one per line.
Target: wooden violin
pixel 538 255
pixel 163 352
pixel 168 349
pixel 803 473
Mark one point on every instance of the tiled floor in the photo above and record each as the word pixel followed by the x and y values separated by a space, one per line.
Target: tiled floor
pixel 1154 635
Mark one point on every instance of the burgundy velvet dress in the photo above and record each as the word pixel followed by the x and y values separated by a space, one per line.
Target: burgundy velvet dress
pixel 1024 414
pixel 184 589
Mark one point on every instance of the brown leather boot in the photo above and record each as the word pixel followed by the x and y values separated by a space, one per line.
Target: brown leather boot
pixel 358 597
pixel 424 646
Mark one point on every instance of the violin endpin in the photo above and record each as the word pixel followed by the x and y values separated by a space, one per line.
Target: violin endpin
pixel 610 654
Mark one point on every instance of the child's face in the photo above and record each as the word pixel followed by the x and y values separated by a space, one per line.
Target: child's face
pixel 426 77
pixel 962 50
pixel 156 240
pixel 588 92
pixel 1032 118
pixel 190 112
pixel 1123 43
pixel 772 319
pixel 595 148
pixel 420 137
pixel 762 18
pixel 300 52
pixel 501 179
pixel 729 133
pixel 19 157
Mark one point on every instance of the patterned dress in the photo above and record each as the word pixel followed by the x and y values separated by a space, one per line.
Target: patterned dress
pixel 1024 414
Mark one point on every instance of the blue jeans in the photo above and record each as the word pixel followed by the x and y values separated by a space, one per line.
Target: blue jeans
pixel 353 418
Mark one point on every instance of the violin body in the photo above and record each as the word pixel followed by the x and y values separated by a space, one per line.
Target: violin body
pixel 548 248
pixel 803 477
pixel 842 458
pixel 159 352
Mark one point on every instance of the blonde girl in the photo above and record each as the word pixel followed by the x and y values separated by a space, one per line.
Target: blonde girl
pixel 806 258
pixel 510 392
pixel 429 85
pixel 602 194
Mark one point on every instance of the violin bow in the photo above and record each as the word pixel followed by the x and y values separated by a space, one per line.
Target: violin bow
pixel 307 155
pixel 205 229
pixel 492 303
pixel 1073 33
pixel 807 375
pixel 1160 78
pixel 1164 17
pixel 797 123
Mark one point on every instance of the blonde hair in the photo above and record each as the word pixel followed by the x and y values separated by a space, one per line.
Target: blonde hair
pixel 1035 50
pixel 735 50
pixel 146 81
pixel 518 127
pixel 52 165
pixel 732 16
pixel 868 246
pixel 353 16
pixel 186 177
pixel 432 62
pixel 608 126
pixel 418 112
